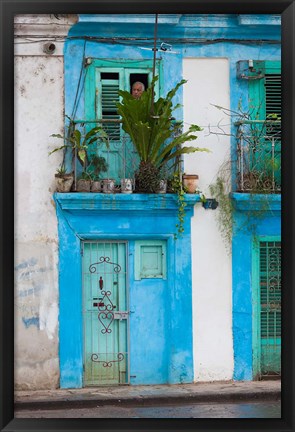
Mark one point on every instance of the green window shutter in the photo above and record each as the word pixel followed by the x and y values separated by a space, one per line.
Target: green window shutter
pixel 110 85
pixel 265 93
pixel 264 102
pixel 273 101
pixel 103 80
pixel 273 94
pixel 150 259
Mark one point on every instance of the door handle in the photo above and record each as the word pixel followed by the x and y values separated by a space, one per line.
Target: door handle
pixel 121 315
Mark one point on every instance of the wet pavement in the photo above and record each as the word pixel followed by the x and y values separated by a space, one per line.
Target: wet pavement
pixel 261 409
pixel 156 395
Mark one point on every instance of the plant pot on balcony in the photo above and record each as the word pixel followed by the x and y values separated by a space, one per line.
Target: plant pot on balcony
pixel 83 185
pixel 108 186
pixel 96 186
pixel 127 185
pixel 162 187
pixel 190 182
pixel 63 182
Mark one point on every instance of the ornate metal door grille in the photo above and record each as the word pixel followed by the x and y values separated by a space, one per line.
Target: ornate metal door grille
pixel 105 310
pixel 270 307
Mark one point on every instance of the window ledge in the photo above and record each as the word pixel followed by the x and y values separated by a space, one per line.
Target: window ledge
pixel 123 202
pixel 256 202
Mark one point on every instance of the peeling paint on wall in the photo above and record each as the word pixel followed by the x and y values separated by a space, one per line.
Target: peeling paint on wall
pixel 31 321
pixel 36 313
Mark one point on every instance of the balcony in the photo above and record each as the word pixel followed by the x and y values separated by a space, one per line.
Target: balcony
pixel 258 156
pixel 118 151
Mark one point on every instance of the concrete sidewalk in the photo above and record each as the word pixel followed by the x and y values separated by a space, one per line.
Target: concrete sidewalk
pixel 150 395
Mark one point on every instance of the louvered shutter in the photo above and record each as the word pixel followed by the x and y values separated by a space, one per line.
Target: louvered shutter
pixel 265 101
pixel 270 306
pixel 273 100
pixel 109 98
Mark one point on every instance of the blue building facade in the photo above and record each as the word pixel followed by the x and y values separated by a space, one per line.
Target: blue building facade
pixel 156 333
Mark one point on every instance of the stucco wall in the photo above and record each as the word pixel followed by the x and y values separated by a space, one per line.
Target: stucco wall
pixel 39 100
pixel 208 83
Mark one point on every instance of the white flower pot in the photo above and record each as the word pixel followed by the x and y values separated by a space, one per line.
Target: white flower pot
pixel 163 187
pixel 126 185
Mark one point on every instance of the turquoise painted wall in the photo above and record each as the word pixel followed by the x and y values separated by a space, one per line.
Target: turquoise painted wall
pixel 247 230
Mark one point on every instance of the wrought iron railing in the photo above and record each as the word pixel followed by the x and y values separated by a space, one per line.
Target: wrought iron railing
pixel 118 150
pixel 259 156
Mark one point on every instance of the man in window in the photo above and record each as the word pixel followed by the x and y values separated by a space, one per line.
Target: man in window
pixel 137 89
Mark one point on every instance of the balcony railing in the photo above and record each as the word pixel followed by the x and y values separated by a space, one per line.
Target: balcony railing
pixel 118 150
pixel 259 156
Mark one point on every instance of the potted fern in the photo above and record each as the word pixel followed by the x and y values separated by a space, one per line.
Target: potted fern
pixel 150 127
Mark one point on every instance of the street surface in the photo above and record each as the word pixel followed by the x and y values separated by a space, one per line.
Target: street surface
pixel 268 409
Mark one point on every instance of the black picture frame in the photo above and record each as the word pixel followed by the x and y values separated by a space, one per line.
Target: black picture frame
pixel 8 9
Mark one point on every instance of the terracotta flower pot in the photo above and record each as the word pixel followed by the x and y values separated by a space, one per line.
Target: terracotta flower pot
pixel 190 182
pixel 96 186
pixel 83 185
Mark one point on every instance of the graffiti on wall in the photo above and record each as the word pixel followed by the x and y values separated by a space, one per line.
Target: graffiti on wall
pixel 34 294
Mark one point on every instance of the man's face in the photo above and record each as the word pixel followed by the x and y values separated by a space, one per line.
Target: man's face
pixel 137 90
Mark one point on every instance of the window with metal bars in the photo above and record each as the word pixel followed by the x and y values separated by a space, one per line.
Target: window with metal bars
pixel 270 289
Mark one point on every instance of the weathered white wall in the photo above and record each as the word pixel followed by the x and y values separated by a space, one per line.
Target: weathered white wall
pixel 208 83
pixel 39 102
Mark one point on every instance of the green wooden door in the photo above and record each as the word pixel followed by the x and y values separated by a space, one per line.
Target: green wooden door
pixel 267 309
pixel 105 313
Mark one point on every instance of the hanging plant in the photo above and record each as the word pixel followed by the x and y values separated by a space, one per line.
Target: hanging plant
pixel 177 187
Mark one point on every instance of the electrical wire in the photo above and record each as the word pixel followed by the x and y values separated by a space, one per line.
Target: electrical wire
pixel 76 101
pixel 146 41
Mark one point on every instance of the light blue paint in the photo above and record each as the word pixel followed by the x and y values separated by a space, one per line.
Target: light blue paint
pixel 243 238
pixel 166 306
pixel 25 264
pixel 149 328
pixel 179 26
pixel 30 291
pixel 33 321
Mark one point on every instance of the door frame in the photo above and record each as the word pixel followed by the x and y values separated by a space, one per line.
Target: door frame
pixel 127 288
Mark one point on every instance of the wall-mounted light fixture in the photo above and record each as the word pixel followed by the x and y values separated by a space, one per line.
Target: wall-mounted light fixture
pixel 250 69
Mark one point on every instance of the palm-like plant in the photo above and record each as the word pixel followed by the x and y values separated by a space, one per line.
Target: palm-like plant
pixel 79 144
pixel 150 127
